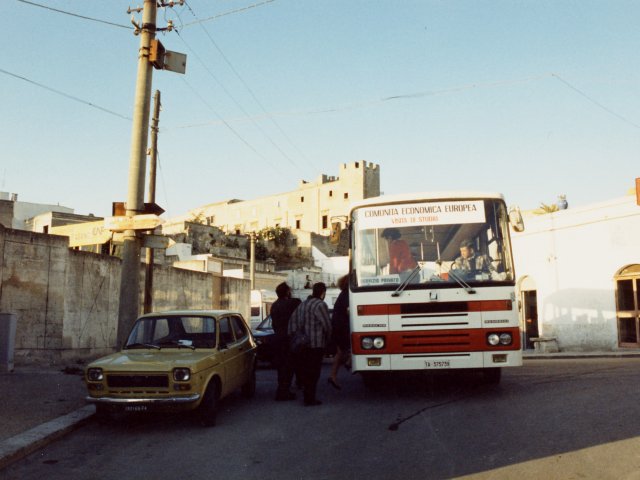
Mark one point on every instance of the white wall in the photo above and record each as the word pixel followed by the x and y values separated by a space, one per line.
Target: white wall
pixel 573 256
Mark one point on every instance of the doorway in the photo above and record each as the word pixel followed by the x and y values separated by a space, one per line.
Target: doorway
pixel 528 312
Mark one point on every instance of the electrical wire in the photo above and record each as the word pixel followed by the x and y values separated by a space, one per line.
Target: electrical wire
pixel 255 98
pixel 66 95
pixel 215 17
pixel 128 27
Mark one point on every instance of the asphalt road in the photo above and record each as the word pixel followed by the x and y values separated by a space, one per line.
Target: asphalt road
pixel 549 419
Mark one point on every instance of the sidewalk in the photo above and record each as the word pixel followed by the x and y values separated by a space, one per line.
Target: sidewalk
pixel 39 405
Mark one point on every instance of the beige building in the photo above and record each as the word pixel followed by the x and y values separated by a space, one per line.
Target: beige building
pixel 313 207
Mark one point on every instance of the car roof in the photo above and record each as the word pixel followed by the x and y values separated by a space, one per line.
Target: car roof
pixel 208 313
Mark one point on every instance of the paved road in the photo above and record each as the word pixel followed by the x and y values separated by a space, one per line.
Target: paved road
pixel 549 419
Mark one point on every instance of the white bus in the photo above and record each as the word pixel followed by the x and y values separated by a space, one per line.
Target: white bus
pixel 434 309
pixel 261 301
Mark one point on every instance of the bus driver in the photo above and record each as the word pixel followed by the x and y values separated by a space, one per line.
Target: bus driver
pixel 470 264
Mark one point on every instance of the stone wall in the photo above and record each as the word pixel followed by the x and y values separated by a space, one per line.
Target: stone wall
pixel 66 301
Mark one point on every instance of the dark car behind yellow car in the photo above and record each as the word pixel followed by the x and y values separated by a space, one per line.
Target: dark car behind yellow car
pixel 176 361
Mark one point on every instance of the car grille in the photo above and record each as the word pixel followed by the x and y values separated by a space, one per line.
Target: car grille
pixel 138 381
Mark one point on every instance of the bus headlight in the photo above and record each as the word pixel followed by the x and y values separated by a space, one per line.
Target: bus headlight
pixel 368 343
pixel 499 338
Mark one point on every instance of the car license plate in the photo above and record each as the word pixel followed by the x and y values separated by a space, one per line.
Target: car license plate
pixel 437 363
pixel 135 408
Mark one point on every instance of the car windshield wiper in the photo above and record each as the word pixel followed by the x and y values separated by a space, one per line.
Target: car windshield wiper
pixel 404 284
pixel 141 345
pixel 176 343
pixel 467 288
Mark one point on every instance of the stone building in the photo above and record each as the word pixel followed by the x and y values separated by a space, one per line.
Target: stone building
pixel 312 207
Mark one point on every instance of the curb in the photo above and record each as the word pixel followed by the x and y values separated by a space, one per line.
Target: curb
pixel 23 444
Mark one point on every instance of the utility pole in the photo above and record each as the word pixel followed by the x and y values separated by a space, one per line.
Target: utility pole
pixel 252 260
pixel 130 277
pixel 151 198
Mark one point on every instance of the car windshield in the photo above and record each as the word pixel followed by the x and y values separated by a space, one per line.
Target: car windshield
pixel 431 244
pixel 265 324
pixel 173 331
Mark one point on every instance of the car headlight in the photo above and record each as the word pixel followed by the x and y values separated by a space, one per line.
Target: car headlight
pixel 181 374
pixel 505 338
pixel 95 375
pixel 493 339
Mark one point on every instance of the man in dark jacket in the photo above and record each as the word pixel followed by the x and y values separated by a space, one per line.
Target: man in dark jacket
pixel 312 316
pixel 281 311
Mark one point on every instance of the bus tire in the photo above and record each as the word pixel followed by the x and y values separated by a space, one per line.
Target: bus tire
pixel 492 376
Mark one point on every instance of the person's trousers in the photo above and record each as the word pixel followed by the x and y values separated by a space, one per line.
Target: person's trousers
pixel 310 367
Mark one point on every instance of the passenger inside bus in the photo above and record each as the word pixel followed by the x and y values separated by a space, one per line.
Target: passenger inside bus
pixel 400 258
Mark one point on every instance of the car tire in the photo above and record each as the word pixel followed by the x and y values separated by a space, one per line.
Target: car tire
pixel 249 388
pixel 209 406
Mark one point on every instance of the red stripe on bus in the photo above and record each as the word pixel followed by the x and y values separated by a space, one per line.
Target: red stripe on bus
pixel 436 341
pixel 436 307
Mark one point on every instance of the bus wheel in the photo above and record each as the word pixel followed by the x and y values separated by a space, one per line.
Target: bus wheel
pixel 371 380
pixel 492 375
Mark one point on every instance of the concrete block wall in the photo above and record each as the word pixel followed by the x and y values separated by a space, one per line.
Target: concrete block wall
pixel 66 301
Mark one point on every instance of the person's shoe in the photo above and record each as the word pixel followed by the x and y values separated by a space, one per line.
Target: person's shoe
pixel 284 396
pixel 312 403
pixel 333 383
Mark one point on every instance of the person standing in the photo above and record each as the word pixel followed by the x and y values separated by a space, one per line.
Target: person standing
pixel 340 330
pixel 400 258
pixel 281 311
pixel 312 317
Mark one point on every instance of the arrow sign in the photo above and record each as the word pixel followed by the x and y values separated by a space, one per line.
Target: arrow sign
pixel 137 222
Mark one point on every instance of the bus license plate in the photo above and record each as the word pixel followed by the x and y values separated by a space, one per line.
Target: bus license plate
pixel 437 363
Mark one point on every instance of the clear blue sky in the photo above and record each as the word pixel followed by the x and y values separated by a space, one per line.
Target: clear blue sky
pixel 530 98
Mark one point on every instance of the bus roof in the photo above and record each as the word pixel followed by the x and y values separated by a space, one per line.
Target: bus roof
pixel 419 196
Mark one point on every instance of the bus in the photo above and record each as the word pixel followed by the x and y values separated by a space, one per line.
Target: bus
pixel 435 309
pixel 261 301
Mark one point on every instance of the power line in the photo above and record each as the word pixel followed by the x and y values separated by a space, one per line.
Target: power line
pixel 66 95
pixel 595 102
pixel 128 27
pixel 228 13
pixel 255 98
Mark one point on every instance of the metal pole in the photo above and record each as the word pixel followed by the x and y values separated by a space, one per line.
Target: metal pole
pixel 151 198
pixel 252 261
pixel 130 278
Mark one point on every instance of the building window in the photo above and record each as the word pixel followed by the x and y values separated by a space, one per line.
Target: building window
pixel 346 195
pixel 211 220
pixel 298 222
pixel 331 193
pixel 628 306
pixel 301 199
pixel 325 221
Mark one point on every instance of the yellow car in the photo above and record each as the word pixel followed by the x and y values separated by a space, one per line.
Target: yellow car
pixel 176 361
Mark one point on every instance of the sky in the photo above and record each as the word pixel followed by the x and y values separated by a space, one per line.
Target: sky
pixel 532 99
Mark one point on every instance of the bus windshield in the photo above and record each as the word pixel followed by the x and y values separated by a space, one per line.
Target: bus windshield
pixel 435 243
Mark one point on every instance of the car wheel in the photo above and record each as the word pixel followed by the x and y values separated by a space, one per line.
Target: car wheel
pixel 102 413
pixel 209 406
pixel 249 388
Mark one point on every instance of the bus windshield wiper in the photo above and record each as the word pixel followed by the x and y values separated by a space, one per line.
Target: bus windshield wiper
pixel 404 284
pixel 467 288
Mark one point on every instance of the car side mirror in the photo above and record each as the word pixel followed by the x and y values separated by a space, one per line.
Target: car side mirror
pixel 515 219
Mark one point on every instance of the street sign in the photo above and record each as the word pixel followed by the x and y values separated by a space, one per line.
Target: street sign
pixel 83 234
pixel 137 222
pixel 156 241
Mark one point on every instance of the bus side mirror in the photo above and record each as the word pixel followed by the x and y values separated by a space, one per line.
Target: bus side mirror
pixel 515 219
